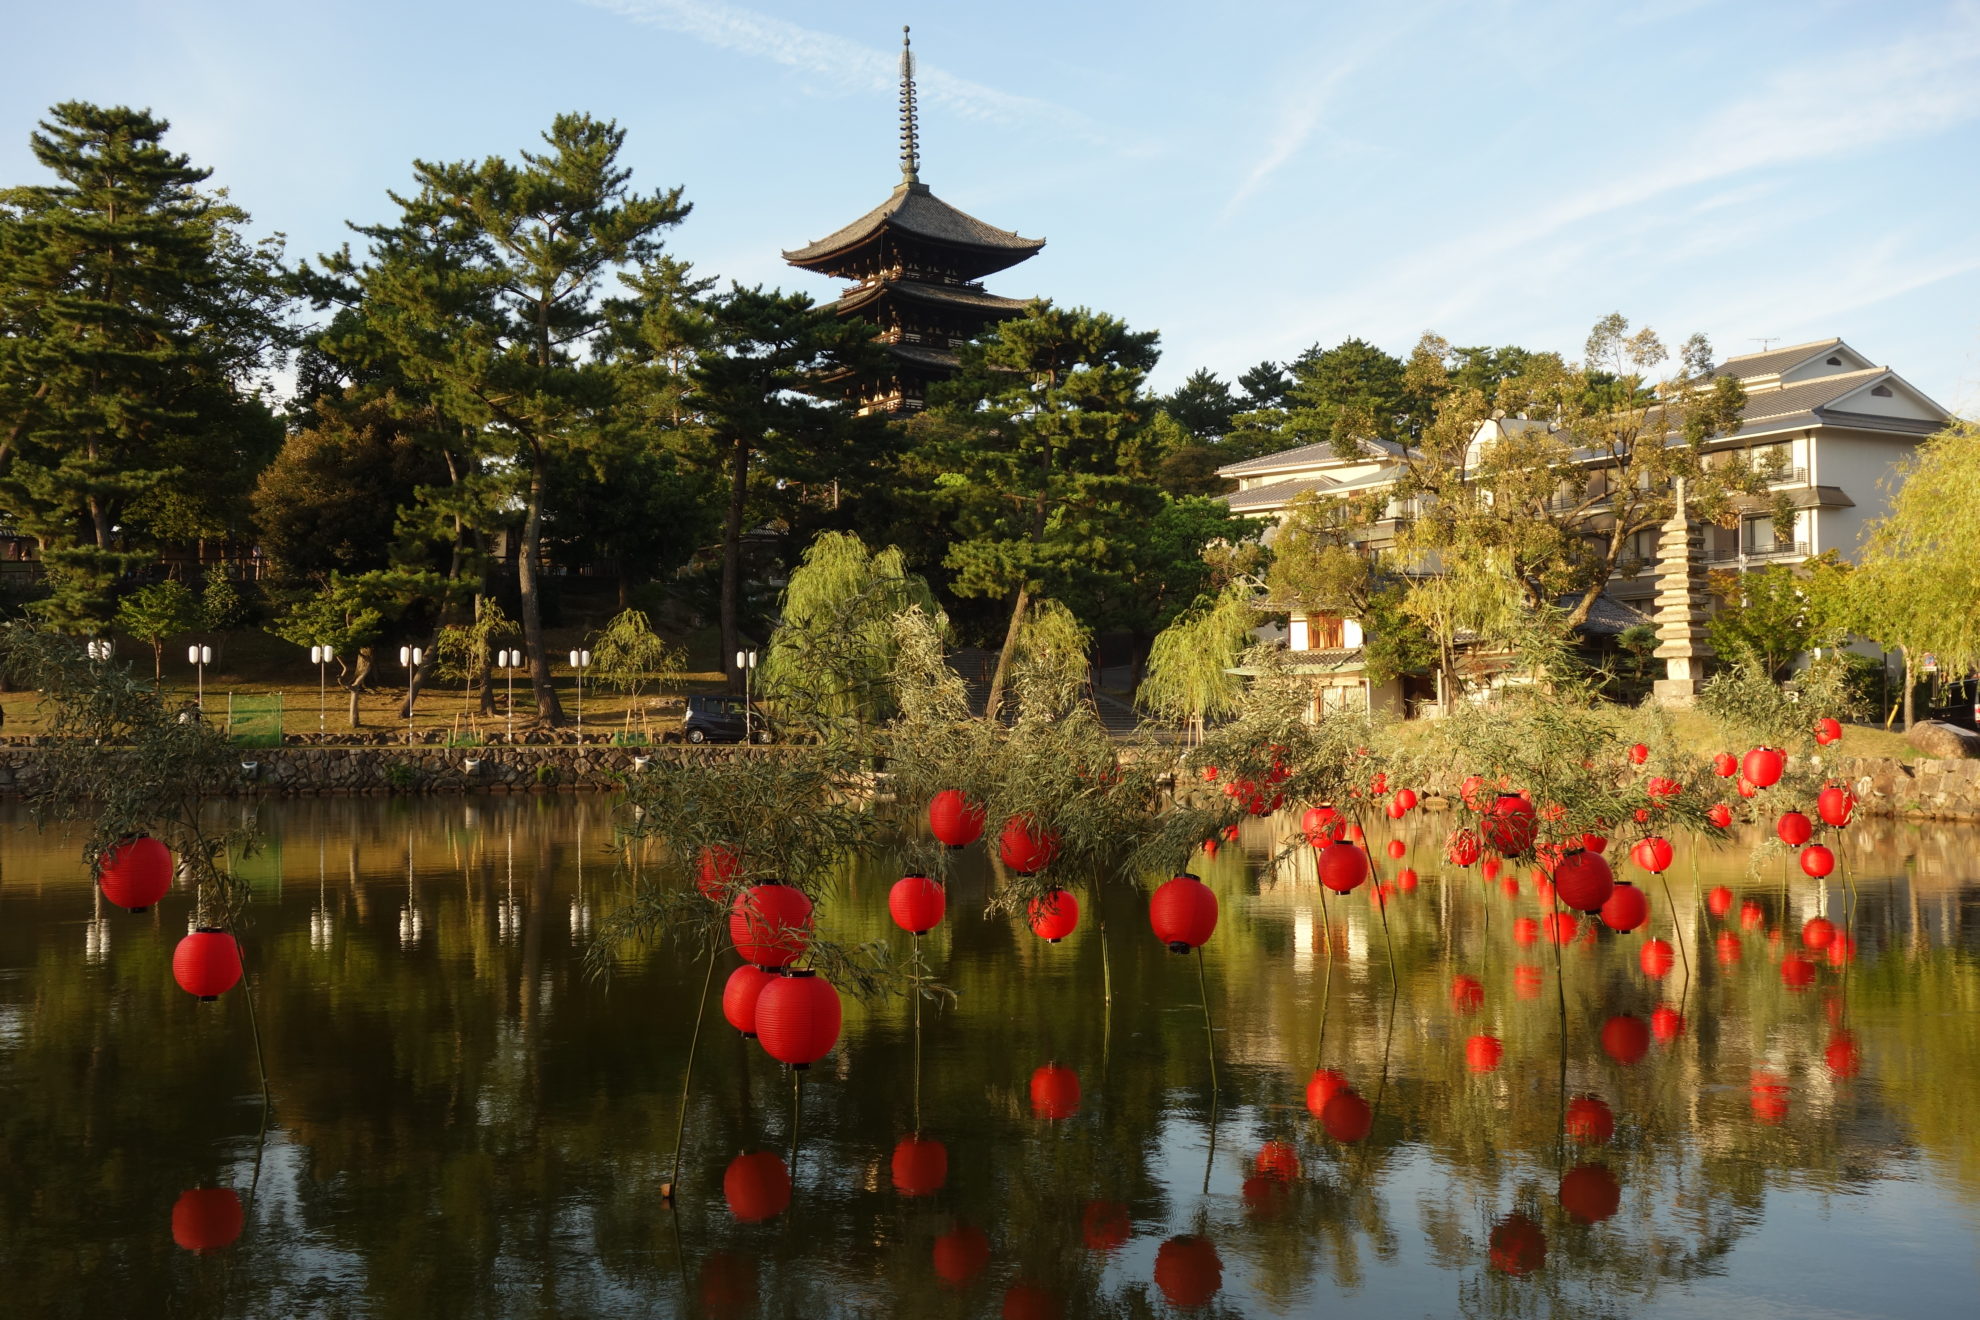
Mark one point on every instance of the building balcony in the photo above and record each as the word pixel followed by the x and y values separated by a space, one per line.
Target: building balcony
pixel 1759 550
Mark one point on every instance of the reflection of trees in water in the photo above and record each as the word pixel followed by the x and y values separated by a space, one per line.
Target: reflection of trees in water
pixel 475 1128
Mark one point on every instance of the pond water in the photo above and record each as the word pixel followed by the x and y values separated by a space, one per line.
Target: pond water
pixel 465 1124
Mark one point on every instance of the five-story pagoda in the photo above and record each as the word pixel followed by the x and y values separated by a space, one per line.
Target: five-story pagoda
pixel 916 264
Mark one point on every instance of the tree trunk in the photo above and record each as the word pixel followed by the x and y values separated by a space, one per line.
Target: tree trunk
pixel 548 711
pixel 732 562
pixel 996 701
pixel 359 677
pixel 1909 684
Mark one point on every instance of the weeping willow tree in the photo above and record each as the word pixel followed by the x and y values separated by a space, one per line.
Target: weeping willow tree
pixel 627 654
pixel 1189 678
pixel 834 648
pixel 1475 598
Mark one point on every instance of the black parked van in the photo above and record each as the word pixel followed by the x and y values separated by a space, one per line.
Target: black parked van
pixel 712 719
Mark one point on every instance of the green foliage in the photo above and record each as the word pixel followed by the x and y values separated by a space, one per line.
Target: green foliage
pixel 223 606
pixel 134 323
pixel 465 650
pixel 1769 616
pixel 1188 678
pixel 155 612
pixel 833 651
pixel 1745 699
pixel 401 777
pixel 628 654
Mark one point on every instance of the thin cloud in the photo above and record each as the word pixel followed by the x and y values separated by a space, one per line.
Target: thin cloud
pixel 853 68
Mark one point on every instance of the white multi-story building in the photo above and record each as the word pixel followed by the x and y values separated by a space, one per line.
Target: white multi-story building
pixel 1832 424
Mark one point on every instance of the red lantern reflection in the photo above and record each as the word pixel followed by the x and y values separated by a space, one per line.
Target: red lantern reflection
pixel 1054 1092
pixel 1188 1271
pixel 207 1218
pixel 1104 1225
pixel 757 1187
pixel 1590 1193
pixel 920 1166
pixel 1518 1247
pixel 1590 1120
pixel 961 1254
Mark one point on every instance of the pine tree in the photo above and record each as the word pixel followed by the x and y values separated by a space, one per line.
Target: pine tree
pixel 133 321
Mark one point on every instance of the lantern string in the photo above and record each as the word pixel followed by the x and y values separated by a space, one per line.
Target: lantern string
pixel 1326 977
pixel 687 1075
pixel 917 1033
pixel 1209 1035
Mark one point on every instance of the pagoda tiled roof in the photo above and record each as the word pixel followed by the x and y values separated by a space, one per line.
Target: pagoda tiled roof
pixel 938 359
pixel 913 209
pixel 927 291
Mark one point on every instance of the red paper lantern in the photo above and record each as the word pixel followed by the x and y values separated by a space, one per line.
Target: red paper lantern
pixel 1834 805
pixel 1397 848
pixel 1323 1086
pixel 1343 866
pixel 1817 861
pixel 1320 825
pixel 1656 959
pixel 1746 787
pixel 136 872
pixel 920 1166
pixel 1026 846
pixel 1625 1039
pixel 207 1218
pixel 1827 730
pixel 1408 798
pixel 1638 754
pixel 1720 814
pixel 1763 766
pixel 1054 1092
pixel 1209 774
pixel 1818 933
pixel 1347 1117
pixel 1462 849
pixel 757 1187
pixel 1188 1271
pixel 1518 1247
pixel 1583 881
pixel 961 1254
pixel 1590 1120
pixel 1626 909
pixel 1719 901
pixel 716 872
pixel 1467 993
pixel 1661 791
pixel 1666 1023
pixel 739 997
pixel 1652 853
pixel 1053 915
pixel 1590 1193
pixel 1105 1225
pixel 1794 828
pixel 1183 913
pixel 1277 1160
pixel 1509 825
pixel 954 820
pixel 1468 791
pixel 798 1016
pixel 207 963
pixel 1396 809
pixel 770 924
pixel 1725 765
pixel 916 904
pixel 1595 843
pixel 1841 1055
pixel 1482 1053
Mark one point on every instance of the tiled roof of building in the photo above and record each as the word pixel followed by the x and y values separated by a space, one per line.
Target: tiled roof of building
pixel 1607 616
pixel 1303 455
pixel 1805 396
pixel 911 207
pixel 1773 361
pixel 924 356
pixel 1279 492
pixel 956 295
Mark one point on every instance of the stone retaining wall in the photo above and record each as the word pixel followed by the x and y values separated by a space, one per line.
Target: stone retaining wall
pixel 297 771
pixel 1925 789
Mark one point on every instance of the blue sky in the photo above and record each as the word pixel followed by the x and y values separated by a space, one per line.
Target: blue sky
pixel 1248 178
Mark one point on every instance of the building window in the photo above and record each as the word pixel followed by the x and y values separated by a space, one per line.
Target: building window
pixel 1882 391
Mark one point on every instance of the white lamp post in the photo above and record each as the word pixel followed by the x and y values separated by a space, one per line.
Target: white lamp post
pixel 321 656
pixel 507 661
pixel 200 657
pixel 100 649
pixel 410 656
pixel 579 661
pixel 746 661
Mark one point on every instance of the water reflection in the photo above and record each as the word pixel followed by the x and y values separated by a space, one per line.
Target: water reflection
pixel 1762 1101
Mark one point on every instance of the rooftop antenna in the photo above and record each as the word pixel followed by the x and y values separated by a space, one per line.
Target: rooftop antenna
pixel 910 132
pixel 1766 344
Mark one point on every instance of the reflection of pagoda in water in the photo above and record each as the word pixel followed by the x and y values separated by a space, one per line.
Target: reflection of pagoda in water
pixel 916 264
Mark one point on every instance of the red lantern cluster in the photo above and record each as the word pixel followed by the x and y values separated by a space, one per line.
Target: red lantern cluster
pixel 916 904
pixel 136 872
pixel 1347 1117
pixel 1183 913
pixel 207 963
pixel 1053 915
pixel 1026 846
pixel 798 1016
pixel 770 924
pixel 1321 825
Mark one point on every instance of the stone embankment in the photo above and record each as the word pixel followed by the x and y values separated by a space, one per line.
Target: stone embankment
pixel 334 771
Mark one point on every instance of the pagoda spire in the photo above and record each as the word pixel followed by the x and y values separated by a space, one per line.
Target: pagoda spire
pixel 910 126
